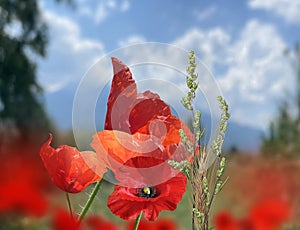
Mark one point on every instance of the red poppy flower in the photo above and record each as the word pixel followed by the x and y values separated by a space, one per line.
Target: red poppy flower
pixel 116 147
pixel 165 224
pixel 96 223
pixel 154 130
pixel 132 112
pixel 161 224
pixel 270 214
pixel 225 221
pixel 143 196
pixel 69 169
pixel 21 188
pixel 63 220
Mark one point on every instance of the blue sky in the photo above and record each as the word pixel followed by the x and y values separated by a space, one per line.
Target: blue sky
pixel 240 42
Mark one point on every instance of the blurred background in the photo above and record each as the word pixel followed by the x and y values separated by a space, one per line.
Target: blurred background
pixel 251 47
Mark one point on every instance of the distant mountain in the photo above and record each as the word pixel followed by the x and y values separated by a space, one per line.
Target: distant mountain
pixel 243 138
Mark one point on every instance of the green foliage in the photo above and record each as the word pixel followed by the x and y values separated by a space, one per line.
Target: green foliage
pixel 20 94
pixel 183 166
pixel 283 138
pixel 203 193
pixel 19 90
pixel 191 82
pixel 217 144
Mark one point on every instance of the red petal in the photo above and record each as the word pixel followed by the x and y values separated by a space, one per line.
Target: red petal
pixel 69 169
pixel 144 225
pixel 144 113
pixel 62 221
pixel 139 171
pixel 166 224
pixel 124 209
pixel 125 202
pixel 225 221
pixel 272 212
pixel 116 147
pixel 21 189
pixel 96 223
pixel 122 94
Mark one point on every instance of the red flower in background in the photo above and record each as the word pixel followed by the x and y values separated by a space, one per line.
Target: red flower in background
pixel 69 169
pixel 129 202
pixel 268 215
pixel 161 224
pixel 225 221
pixel 21 185
pixel 63 221
pixel 96 223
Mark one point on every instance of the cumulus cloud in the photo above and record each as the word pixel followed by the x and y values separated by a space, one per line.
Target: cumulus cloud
pixel 251 69
pixel 288 10
pixel 103 10
pixel 131 40
pixel 69 54
pixel 258 74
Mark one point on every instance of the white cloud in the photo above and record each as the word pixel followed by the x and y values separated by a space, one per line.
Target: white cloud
pixel 206 13
pixel 209 44
pixel 103 10
pixel 69 54
pixel 251 69
pixel 289 10
pixel 257 74
pixel 131 40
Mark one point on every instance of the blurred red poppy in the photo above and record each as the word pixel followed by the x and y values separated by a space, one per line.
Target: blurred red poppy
pixel 161 224
pixel 225 221
pixel 267 215
pixel 69 169
pixel 270 214
pixel 143 195
pixel 21 188
pixel 165 224
pixel 63 221
pixel 96 223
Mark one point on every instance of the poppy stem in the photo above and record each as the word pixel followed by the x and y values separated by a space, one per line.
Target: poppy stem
pixel 137 221
pixel 90 200
pixel 69 204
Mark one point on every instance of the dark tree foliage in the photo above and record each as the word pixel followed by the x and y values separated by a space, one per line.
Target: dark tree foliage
pixel 284 130
pixel 20 94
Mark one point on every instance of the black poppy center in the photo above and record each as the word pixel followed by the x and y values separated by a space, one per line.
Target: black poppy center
pixel 147 192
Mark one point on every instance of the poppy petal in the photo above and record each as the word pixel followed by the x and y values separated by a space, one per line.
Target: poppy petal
pixel 128 203
pixel 68 167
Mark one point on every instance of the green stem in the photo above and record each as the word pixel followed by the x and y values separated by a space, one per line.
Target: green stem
pixel 137 221
pixel 69 204
pixel 90 200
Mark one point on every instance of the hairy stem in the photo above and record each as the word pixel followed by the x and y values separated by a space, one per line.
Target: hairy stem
pixel 90 200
